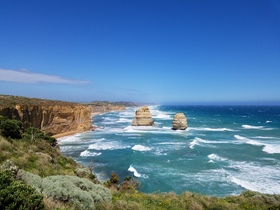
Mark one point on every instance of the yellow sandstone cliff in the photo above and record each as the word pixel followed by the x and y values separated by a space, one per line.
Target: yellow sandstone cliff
pixel 53 117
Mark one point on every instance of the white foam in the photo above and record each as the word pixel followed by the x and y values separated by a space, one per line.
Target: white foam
pixel 151 129
pixel 197 141
pixel 245 184
pixel 112 145
pixel 210 129
pixel 162 116
pixel 194 142
pixel 133 170
pixel 124 120
pixel 256 177
pixel 141 148
pixel 70 148
pixel 263 137
pixel 132 129
pixel 87 153
pixel 157 114
pixel 112 130
pixel 69 139
pixel 240 138
pixel 271 148
pixel 253 142
pixel 267 147
pixel 268 121
pixel 255 127
pixel 172 143
pixel 216 157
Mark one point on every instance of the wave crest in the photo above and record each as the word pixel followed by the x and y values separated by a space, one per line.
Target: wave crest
pixel 141 148
pixel 255 127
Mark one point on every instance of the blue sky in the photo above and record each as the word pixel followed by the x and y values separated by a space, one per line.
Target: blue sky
pixel 158 51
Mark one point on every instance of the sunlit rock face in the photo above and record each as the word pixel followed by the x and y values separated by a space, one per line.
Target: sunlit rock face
pixel 143 117
pixel 179 122
pixel 51 117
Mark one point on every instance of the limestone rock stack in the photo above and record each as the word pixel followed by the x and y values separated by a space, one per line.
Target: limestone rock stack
pixel 179 122
pixel 143 117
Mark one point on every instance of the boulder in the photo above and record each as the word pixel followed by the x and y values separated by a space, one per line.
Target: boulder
pixel 143 117
pixel 179 122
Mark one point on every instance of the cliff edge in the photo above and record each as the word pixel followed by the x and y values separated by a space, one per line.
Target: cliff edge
pixel 52 117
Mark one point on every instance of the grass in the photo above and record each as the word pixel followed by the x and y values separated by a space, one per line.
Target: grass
pixel 168 201
pixel 37 157
pixel 10 101
pixel 40 158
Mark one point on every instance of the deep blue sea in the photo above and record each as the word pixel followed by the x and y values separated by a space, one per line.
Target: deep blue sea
pixel 224 151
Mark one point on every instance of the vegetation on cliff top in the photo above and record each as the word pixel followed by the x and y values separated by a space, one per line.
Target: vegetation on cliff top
pixel 9 100
pixel 109 103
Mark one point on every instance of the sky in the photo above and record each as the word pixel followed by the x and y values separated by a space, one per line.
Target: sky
pixel 149 51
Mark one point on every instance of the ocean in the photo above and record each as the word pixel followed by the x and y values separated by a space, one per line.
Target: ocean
pixel 224 151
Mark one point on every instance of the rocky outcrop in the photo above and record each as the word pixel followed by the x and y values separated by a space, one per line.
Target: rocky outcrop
pixel 52 117
pixel 179 122
pixel 143 117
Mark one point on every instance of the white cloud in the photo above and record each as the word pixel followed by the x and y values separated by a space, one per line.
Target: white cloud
pixel 31 77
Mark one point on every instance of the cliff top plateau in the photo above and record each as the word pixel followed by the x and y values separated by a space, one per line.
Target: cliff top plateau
pixel 9 100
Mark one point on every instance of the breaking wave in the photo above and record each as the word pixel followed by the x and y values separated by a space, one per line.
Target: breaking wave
pixel 112 145
pixel 255 127
pixel 135 172
pixel 141 148
pixel 211 129
pixel 268 148
pixel 87 153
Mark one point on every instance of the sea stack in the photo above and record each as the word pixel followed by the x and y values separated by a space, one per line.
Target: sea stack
pixel 179 122
pixel 143 117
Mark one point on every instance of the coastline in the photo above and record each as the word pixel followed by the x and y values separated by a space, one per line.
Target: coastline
pixel 70 133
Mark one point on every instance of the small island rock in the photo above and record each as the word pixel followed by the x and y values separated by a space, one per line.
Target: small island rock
pixel 143 117
pixel 179 122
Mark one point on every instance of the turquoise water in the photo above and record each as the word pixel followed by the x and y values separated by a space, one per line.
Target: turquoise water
pixel 224 151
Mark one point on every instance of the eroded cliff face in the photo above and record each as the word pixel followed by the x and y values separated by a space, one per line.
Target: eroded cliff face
pixel 55 117
pixel 52 119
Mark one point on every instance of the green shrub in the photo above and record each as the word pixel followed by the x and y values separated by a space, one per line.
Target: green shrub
pixel 34 134
pixel 15 195
pixel 10 166
pixel 79 191
pixel 114 178
pixel 10 128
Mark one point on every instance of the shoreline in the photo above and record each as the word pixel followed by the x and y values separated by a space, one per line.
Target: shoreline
pixel 70 133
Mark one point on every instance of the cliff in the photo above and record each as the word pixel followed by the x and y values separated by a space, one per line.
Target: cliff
pixel 52 117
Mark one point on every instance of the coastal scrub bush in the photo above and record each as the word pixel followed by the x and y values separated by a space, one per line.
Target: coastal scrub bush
pixel 114 178
pixel 79 191
pixel 10 128
pixel 15 195
pixel 34 134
